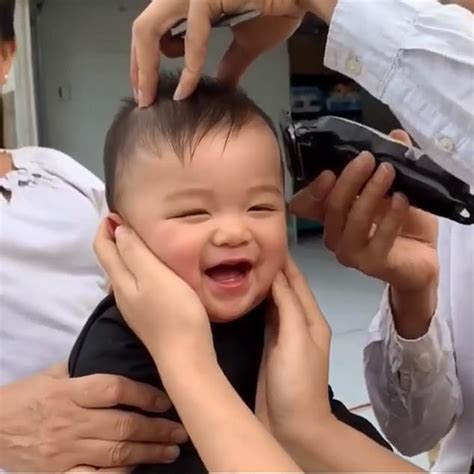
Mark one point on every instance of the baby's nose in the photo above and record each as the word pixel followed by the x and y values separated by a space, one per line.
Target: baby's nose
pixel 232 233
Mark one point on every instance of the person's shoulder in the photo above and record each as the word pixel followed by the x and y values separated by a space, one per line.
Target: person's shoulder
pixel 107 345
pixel 61 164
pixel 106 318
pixel 66 169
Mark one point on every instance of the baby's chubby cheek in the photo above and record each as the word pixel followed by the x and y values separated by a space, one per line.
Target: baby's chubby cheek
pixel 276 255
pixel 179 251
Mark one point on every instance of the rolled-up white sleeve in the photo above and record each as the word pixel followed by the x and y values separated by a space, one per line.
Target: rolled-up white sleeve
pixel 416 56
pixel 412 385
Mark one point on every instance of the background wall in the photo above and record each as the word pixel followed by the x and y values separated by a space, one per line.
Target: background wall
pixel 83 50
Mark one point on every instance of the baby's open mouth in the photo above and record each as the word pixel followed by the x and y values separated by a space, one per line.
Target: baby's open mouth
pixel 229 273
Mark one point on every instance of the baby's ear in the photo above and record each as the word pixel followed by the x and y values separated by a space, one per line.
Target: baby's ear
pixel 113 221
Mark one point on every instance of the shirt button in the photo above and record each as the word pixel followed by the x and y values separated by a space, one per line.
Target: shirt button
pixel 405 381
pixel 353 66
pixel 446 144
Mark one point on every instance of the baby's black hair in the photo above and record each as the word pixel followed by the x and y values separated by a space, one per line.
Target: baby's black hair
pixel 180 125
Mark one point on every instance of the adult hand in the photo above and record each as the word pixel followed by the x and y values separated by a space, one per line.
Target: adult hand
pixel 160 307
pixel 51 423
pixel 292 395
pixel 279 19
pixel 293 381
pixel 383 238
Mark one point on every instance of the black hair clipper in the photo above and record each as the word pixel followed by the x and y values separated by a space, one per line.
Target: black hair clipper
pixel 330 143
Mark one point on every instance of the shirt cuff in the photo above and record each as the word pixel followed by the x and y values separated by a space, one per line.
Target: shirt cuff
pixel 365 38
pixel 422 357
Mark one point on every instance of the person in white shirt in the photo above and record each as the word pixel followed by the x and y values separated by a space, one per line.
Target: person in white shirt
pixel 50 280
pixel 417 57
pixel 407 53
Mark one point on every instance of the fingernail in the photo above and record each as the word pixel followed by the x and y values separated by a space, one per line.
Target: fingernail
pixel 178 94
pixel 142 103
pixel 121 232
pixel 365 158
pixel 179 436
pixel 135 95
pixel 399 202
pixel 382 172
pixel 171 453
pixel 281 279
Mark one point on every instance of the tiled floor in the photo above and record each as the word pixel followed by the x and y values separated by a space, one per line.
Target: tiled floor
pixel 349 301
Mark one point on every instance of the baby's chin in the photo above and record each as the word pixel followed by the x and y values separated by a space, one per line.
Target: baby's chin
pixel 226 312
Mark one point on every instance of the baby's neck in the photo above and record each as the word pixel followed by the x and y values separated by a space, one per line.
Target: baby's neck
pixel 6 163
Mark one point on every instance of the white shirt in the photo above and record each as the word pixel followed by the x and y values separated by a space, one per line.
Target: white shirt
pixel 421 389
pixel 416 56
pixel 50 280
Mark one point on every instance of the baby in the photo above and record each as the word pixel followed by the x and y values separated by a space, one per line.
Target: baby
pixel 201 182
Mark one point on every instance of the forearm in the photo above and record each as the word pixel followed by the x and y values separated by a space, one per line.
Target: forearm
pixel 413 310
pixel 335 447
pixel 11 430
pixel 3 427
pixel 227 435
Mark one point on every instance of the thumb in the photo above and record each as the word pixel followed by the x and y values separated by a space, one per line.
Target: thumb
pixel 401 136
pixel 310 202
pixel 290 318
pixel 318 326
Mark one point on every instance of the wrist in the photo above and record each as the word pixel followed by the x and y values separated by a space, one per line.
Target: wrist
pixel 301 441
pixel 324 9
pixel 413 310
pixel 184 347
pixel 186 358
pixel 297 437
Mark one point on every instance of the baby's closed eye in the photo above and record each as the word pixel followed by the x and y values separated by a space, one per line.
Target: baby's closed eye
pixel 190 213
pixel 263 208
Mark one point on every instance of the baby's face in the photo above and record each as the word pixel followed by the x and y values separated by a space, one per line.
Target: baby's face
pixel 217 219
